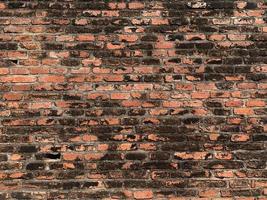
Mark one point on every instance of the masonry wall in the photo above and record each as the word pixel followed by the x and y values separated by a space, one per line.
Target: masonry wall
pixel 133 99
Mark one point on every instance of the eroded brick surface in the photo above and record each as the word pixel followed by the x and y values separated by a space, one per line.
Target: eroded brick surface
pixel 133 99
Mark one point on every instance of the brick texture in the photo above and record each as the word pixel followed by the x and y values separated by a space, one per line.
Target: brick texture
pixel 133 99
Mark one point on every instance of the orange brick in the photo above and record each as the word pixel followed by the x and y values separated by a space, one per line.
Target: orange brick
pixel 200 95
pixel 255 103
pixel 194 155
pixel 39 105
pixel 113 5
pixel 15 157
pixel 85 37
pixel 128 38
pixel 217 37
pixel 241 4
pixel 159 21
pixel 81 21
pixel 209 193
pixel 124 147
pixel 233 103
pixel 240 137
pixel 144 194
pixel 224 174
pixel 18 79
pixel 120 96
pixel 12 96
pixel 4 71
pixel 115 46
pixel 93 156
pixel 223 155
pixel 136 5
pixel 172 104
pixel 2 6
pixel 89 138
pixel 164 45
pixel 71 156
pixel 243 111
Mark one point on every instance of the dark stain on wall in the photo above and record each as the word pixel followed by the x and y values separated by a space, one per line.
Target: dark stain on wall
pixel 133 99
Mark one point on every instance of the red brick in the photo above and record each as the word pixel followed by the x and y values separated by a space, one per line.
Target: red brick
pixel 99 70
pixel 52 78
pixel 50 62
pixel 234 103
pixel 114 78
pixel 65 38
pixel 131 103
pixel 18 79
pixel 17 54
pixel 30 45
pixel 132 100
pixel 205 86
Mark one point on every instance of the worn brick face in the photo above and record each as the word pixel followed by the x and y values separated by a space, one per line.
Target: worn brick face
pixel 133 99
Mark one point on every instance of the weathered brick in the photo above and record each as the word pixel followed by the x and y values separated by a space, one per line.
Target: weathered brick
pixel 133 99
pixel 35 166
pixel 136 5
pixel 240 137
pixel 8 46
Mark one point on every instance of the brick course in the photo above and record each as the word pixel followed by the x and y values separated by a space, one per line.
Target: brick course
pixel 133 99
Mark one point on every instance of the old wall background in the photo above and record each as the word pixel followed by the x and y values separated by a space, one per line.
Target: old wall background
pixel 133 99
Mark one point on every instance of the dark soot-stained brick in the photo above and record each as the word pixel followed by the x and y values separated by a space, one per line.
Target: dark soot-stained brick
pixel 133 99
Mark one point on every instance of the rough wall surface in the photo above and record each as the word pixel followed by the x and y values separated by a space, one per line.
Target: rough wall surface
pixel 133 99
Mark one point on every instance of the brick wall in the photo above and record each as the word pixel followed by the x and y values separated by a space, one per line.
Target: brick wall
pixel 133 100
